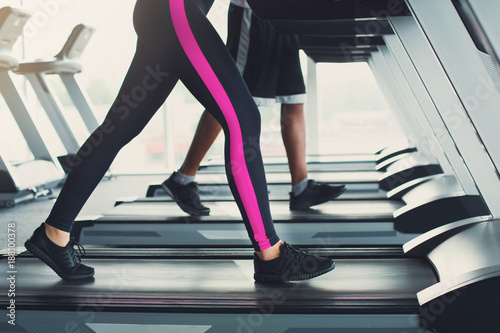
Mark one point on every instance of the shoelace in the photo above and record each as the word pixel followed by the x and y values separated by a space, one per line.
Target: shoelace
pixel 75 254
pixel 293 251
pixel 193 187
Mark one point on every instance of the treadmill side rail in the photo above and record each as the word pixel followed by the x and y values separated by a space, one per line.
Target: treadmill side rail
pixel 467 298
pixel 425 243
pixel 437 202
pixel 420 218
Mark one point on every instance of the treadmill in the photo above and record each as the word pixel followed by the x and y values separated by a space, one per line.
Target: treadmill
pixel 164 224
pixel 213 290
pixel 162 221
pixel 359 185
pixel 154 290
pixel 399 168
pixel 361 218
pixel 23 180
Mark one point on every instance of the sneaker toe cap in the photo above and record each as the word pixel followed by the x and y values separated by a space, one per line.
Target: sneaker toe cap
pixel 82 269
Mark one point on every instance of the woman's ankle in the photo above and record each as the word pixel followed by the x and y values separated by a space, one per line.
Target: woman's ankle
pixel 270 253
pixel 57 236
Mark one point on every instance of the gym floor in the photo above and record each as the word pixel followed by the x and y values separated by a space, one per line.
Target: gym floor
pixel 27 216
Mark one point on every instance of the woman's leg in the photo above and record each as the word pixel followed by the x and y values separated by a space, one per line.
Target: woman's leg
pixel 143 91
pixel 201 60
pixel 206 132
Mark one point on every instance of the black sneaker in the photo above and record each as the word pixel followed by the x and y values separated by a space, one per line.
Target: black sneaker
pixel 65 261
pixel 186 196
pixel 315 194
pixel 293 264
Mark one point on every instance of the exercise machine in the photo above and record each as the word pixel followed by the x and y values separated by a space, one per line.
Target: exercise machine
pixel 28 179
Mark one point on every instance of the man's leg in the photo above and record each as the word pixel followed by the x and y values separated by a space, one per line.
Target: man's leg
pixel 207 131
pixel 293 132
pixel 181 185
pixel 305 192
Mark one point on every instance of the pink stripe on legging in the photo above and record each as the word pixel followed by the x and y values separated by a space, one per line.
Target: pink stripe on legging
pixel 202 66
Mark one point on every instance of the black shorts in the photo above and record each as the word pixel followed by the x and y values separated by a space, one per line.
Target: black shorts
pixel 269 61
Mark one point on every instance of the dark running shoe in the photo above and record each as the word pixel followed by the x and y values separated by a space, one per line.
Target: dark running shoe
pixel 293 264
pixel 315 194
pixel 186 196
pixel 65 261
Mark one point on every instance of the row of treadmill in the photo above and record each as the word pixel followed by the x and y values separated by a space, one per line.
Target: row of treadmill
pixel 27 180
pixel 415 237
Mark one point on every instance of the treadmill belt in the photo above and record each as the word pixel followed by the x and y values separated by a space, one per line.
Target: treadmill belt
pixel 195 285
pixel 214 235
pixel 352 210
pixel 277 191
pixel 160 224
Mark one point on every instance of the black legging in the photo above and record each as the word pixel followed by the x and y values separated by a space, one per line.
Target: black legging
pixel 176 41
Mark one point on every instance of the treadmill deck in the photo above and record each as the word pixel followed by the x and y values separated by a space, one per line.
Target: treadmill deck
pixel 360 210
pixel 222 285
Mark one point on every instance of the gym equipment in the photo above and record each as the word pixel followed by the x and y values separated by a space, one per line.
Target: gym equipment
pixel 65 64
pixel 29 179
